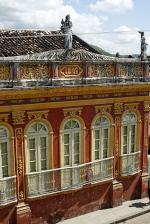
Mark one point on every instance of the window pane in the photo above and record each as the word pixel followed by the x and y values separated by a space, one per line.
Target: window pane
pixel 32 166
pixel 66 138
pixel 5 171
pixel 97 145
pixel 43 165
pixel 3 147
pixel 31 143
pixel 132 147
pixel 76 159
pixel 32 155
pixel 125 130
pixel 4 159
pixel 76 148
pixel 3 133
pixel 105 153
pixel 124 140
pixel 96 155
pixel 97 132
pixel 105 133
pixel 43 142
pixel 43 154
pixel 66 160
pixel 125 149
pixel 105 143
pixel 132 129
pixel 66 149
pixel 76 137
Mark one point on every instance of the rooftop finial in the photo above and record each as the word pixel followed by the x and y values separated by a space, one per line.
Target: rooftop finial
pixel 143 46
pixel 66 29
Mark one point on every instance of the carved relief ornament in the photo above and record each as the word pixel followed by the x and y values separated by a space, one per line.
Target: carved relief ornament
pixel 72 111
pixel 103 109
pixel 38 114
pixel 4 117
pixel 147 106
pixel 18 117
pixel 131 106
pixel 118 108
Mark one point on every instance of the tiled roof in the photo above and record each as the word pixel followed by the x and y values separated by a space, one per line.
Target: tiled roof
pixel 23 42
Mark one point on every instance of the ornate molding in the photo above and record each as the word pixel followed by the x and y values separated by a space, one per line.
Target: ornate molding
pixel 72 111
pixel 37 114
pixel 20 166
pixel 103 109
pixel 18 117
pixel 118 108
pixel 131 106
pixel 21 196
pixel 146 106
pixel 4 117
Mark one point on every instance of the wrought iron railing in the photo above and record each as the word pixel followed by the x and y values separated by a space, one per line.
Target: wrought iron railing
pixel 68 177
pixel 7 190
pixel 130 163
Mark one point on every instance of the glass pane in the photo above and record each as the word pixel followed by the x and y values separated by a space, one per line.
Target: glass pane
pixel 96 155
pixel 5 171
pixel 32 143
pixel 66 138
pixel 43 142
pixel 4 159
pixel 105 132
pixel 32 155
pixel 97 132
pixel 33 129
pixel 32 166
pixel 132 147
pixel 3 133
pixel 125 149
pixel 132 129
pixel 105 153
pixel 76 148
pixel 68 125
pixel 43 154
pixel 98 122
pixel 97 144
pixel 105 143
pixel 66 160
pixel 43 165
pixel 76 137
pixel 66 149
pixel 125 130
pixel 3 147
pixel 124 140
pixel 76 159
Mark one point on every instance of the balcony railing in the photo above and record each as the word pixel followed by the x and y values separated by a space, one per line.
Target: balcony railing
pixel 130 164
pixel 68 177
pixel 7 190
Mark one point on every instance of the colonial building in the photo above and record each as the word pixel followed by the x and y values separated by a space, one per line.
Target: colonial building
pixel 73 127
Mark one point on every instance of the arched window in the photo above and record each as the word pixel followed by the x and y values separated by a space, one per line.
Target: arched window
pixel 71 143
pixel 129 133
pixel 4 152
pixel 71 148
pixel 130 155
pixel 37 147
pixel 101 134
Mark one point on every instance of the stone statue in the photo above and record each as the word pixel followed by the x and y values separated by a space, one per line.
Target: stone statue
pixel 66 29
pixel 143 46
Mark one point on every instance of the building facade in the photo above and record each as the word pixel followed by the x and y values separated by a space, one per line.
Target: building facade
pixel 73 128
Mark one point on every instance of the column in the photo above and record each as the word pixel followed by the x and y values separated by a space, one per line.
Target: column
pixel 117 187
pixel 23 212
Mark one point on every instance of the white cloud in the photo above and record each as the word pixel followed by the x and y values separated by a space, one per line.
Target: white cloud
pixel 112 6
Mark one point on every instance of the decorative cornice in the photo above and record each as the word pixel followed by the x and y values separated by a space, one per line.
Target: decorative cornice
pixel 131 106
pixel 103 109
pixel 37 114
pixel 18 117
pixel 4 117
pixel 118 108
pixel 72 111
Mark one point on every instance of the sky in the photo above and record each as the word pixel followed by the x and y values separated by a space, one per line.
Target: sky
pixel 99 22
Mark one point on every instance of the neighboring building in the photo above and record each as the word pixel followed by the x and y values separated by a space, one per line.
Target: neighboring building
pixel 73 127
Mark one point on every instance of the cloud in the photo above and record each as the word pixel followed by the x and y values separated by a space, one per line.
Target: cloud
pixel 112 6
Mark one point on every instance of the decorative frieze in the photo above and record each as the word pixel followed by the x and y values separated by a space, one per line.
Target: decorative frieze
pixel 4 117
pixel 18 117
pixel 103 109
pixel 101 70
pixel 37 114
pixel 5 72
pixel 131 106
pixel 130 70
pixel 118 108
pixel 20 167
pixel 72 111
pixel 70 70
pixel 33 71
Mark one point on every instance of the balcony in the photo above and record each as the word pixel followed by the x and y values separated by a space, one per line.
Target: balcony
pixel 7 190
pixel 68 178
pixel 130 164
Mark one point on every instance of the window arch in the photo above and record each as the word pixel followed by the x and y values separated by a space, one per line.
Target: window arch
pixel 37 147
pixel 101 138
pixel 129 130
pixel 5 169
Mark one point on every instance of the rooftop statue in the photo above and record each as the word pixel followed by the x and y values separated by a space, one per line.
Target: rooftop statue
pixel 143 47
pixel 66 29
